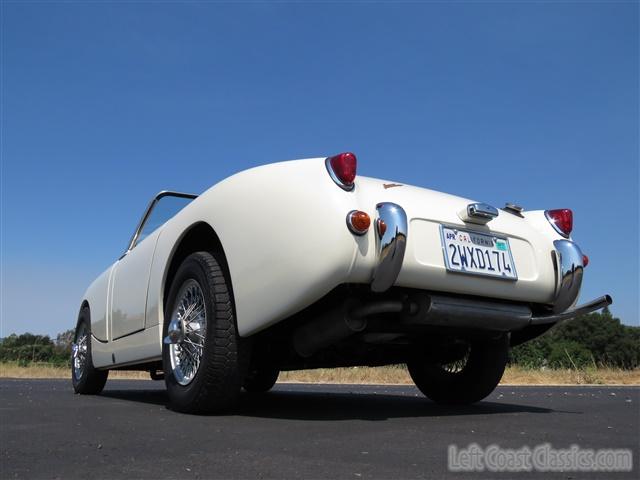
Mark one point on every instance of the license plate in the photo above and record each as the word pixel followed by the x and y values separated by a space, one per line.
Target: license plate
pixel 477 253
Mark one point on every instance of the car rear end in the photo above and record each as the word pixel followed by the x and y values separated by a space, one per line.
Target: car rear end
pixel 441 283
pixel 481 267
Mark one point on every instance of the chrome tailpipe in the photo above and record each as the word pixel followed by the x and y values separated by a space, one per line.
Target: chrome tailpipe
pixel 583 309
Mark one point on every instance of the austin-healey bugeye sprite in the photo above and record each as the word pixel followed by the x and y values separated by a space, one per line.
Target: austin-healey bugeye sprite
pixel 303 264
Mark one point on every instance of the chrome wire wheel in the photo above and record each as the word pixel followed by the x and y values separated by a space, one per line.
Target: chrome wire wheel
pixel 457 366
pixel 79 352
pixel 191 316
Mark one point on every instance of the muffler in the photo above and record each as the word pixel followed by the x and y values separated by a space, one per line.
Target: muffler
pixel 444 311
pixel 328 329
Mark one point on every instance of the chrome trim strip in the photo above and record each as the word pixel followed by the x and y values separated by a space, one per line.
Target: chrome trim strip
pixel 570 274
pixel 334 177
pixel 588 307
pixel 391 246
pixel 147 212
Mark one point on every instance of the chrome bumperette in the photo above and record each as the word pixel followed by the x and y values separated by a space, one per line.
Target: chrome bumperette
pixel 569 269
pixel 391 246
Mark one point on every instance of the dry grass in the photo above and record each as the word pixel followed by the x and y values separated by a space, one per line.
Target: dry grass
pixel 380 375
pixel 512 376
pixel 588 376
pixel 44 370
pixel 356 375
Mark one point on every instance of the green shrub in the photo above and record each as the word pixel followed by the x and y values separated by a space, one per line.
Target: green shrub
pixel 592 340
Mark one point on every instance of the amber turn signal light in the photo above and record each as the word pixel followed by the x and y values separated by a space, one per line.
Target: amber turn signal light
pixel 358 222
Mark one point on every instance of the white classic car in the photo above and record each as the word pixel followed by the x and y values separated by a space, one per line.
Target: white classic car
pixel 303 264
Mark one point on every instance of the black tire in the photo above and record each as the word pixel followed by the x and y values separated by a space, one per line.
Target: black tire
pixel 223 364
pixel 261 379
pixel 475 380
pixel 90 381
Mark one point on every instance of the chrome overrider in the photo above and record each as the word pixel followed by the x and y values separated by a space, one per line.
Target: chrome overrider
pixel 391 245
pixel 569 267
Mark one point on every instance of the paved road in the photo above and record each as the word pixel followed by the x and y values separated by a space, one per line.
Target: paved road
pixel 296 431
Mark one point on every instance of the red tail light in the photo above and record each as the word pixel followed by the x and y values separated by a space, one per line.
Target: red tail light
pixel 585 260
pixel 342 168
pixel 562 220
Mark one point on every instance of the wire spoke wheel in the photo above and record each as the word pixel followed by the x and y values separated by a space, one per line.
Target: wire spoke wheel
pixel 190 312
pixel 79 352
pixel 203 357
pixel 457 366
pixel 467 372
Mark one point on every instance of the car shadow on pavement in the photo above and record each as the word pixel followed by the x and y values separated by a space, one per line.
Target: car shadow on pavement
pixel 323 406
pixel 362 406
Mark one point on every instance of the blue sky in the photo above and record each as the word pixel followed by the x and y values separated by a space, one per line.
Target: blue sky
pixel 104 104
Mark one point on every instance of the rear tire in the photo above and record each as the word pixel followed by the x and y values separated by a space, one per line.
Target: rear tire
pixel 475 380
pixel 261 379
pixel 86 379
pixel 214 384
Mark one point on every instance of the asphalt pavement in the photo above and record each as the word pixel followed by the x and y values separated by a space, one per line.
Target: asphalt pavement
pixel 298 431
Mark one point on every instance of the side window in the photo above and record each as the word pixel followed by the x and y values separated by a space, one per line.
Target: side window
pixel 162 209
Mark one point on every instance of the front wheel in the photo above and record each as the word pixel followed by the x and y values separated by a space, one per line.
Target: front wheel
pixel 204 358
pixel 467 380
pixel 86 379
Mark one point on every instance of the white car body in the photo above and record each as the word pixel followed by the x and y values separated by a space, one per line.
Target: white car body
pixel 283 232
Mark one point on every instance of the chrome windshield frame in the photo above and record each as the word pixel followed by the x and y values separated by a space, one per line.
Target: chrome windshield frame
pixel 149 209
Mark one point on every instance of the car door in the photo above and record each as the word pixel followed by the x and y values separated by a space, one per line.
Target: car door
pixel 130 279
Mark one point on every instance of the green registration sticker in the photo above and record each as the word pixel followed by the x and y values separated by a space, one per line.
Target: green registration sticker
pixel 500 245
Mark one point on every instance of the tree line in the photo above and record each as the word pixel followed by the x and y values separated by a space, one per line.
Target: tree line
pixel 593 340
pixel 28 348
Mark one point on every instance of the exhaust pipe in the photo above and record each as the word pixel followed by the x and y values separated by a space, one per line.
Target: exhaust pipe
pixel 423 309
pixel 443 311
pixel 342 322
pixel 588 307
